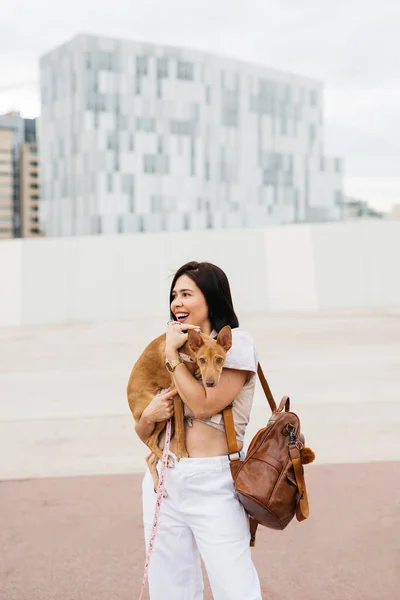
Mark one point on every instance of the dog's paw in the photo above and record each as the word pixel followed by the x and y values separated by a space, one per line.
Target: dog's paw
pixel 182 454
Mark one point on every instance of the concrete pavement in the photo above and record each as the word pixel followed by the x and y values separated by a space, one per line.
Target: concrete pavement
pixel 63 413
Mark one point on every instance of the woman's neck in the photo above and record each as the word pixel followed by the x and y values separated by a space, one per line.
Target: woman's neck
pixel 206 328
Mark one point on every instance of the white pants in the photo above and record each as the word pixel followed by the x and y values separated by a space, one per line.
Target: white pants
pixel 201 516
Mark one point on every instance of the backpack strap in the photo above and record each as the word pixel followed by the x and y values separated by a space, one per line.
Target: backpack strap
pixel 233 447
pixel 230 431
pixel 303 509
pixel 229 423
pixel 266 388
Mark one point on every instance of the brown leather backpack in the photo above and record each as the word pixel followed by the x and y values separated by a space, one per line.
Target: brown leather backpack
pixel 270 481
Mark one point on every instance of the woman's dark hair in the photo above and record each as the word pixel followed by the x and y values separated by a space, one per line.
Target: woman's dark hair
pixel 214 284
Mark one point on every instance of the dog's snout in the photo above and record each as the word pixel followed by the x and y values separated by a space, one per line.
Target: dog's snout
pixel 210 383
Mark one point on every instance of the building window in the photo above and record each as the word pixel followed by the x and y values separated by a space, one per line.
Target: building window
pixel 33 163
pixel 270 177
pixel 33 174
pixel 111 141
pixel 162 68
pixel 109 183
pixel 312 132
pixel 156 204
pixel 64 187
pixel 145 124
pixel 142 65
pixel 128 184
pixel 34 197
pixel 322 163
pixel 106 60
pixel 230 108
pixel 181 127
pixel 208 94
pixel 149 163
pixel 338 165
pixel 185 70
pixel 34 186
pixel 131 142
pixel 207 170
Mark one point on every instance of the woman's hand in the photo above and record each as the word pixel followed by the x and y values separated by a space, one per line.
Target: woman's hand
pixel 161 407
pixel 176 337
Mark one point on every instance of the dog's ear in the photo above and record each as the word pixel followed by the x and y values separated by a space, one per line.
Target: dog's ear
pixel 195 340
pixel 224 338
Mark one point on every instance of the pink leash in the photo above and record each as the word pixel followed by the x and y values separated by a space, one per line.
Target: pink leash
pixel 159 501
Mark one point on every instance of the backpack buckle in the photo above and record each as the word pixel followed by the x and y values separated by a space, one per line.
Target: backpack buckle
pixel 238 456
pixel 290 431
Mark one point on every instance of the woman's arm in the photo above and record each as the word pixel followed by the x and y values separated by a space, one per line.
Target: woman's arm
pixel 206 402
pixel 160 408
pixel 144 428
pixel 203 402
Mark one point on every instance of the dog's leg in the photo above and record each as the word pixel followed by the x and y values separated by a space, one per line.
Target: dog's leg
pixel 152 461
pixel 152 442
pixel 179 416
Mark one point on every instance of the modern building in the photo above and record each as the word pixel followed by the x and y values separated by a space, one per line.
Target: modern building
pixel 142 137
pixel 6 185
pixel 19 177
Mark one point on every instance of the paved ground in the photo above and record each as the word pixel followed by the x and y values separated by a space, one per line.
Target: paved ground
pixel 81 539
pixel 63 413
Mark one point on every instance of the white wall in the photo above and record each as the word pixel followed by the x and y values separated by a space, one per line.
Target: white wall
pixel 351 265
pixel 10 282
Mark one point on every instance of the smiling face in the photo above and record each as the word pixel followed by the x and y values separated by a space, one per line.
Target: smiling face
pixel 189 305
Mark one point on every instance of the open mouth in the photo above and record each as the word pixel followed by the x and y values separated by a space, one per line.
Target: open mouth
pixel 181 316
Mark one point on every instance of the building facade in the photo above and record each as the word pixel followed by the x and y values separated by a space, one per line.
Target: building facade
pixel 6 185
pixel 138 137
pixel 19 177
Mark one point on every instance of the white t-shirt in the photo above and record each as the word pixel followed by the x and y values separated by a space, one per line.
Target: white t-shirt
pixel 242 356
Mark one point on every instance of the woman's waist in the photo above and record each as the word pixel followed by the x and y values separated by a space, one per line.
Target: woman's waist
pixel 203 441
pixel 203 462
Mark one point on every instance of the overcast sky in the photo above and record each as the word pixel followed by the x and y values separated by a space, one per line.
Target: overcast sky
pixel 353 46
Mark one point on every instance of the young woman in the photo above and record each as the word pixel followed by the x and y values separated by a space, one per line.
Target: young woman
pixel 202 516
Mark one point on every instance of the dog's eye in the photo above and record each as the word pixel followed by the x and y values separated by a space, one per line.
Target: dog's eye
pixel 202 360
pixel 219 360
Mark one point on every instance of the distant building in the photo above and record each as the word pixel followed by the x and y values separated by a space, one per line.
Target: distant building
pixel 357 209
pixel 395 212
pixel 141 137
pixel 19 177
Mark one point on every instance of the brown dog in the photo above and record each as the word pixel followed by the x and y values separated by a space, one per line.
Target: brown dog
pixel 149 375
